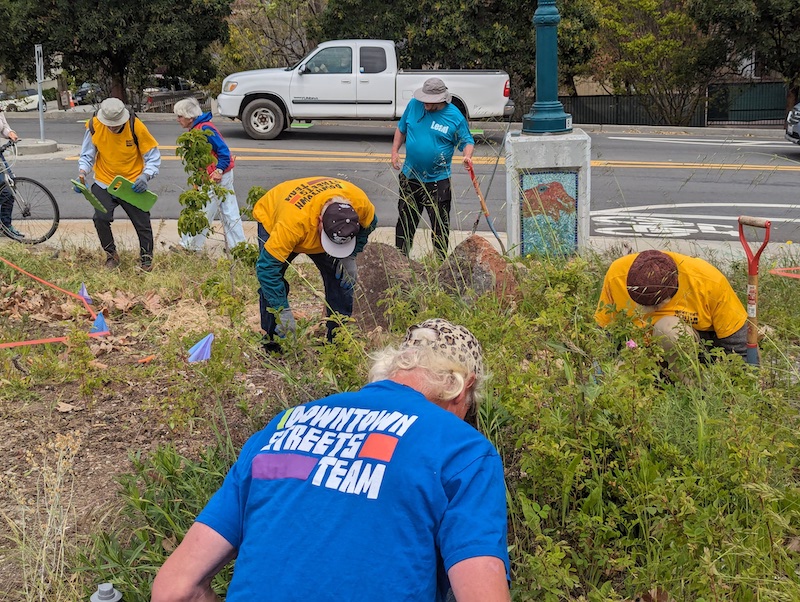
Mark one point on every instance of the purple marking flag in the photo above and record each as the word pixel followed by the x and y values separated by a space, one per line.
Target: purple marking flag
pixel 99 324
pixel 84 293
pixel 201 350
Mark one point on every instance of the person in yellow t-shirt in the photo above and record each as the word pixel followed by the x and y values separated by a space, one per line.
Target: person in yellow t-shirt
pixel 113 149
pixel 677 294
pixel 327 219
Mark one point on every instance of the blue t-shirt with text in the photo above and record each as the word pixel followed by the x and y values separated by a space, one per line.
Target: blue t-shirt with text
pixel 431 138
pixel 362 496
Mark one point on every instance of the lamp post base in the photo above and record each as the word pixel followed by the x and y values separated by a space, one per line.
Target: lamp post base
pixel 547 120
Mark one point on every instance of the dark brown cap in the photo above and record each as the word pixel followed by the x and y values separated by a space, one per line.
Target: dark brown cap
pixel 652 278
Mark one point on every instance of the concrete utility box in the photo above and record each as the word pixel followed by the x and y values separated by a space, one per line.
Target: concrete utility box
pixel 548 188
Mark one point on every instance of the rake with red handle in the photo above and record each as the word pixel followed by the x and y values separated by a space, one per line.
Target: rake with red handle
pixel 484 208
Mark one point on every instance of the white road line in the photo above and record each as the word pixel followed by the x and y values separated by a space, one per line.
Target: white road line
pixel 640 208
pixel 705 141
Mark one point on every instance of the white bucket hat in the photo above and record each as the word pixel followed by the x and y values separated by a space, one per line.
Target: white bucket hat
pixel 433 91
pixel 112 112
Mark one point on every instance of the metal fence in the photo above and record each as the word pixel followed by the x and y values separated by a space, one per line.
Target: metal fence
pixel 726 104
pixel 617 110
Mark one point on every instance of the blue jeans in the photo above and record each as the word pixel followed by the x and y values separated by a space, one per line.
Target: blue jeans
pixel 338 278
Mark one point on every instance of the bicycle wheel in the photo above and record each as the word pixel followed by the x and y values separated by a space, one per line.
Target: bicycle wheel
pixel 35 215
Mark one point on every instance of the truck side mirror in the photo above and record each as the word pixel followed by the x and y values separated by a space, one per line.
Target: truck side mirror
pixel 302 69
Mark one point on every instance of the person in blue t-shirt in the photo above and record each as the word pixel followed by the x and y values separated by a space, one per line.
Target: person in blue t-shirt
pixel 386 493
pixel 431 128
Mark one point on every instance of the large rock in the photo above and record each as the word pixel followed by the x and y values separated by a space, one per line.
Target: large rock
pixel 475 268
pixel 380 267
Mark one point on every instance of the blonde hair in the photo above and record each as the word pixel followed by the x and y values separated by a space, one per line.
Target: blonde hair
pixel 444 379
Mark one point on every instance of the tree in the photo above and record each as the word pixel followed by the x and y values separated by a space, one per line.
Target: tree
pixel 484 34
pixel 766 29
pixel 267 33
pixel 654 48
pixel 119 40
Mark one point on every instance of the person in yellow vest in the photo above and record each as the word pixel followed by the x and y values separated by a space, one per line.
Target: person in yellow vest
pixel 118 144
pixel 678 295
pixel 327 219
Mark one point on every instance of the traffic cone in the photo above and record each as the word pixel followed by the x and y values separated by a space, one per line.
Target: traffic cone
pixel 71 101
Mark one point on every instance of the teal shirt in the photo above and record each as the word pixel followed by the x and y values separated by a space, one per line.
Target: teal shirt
pixel 431 139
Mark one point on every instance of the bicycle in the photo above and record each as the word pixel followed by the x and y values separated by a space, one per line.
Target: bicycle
pixel 34 211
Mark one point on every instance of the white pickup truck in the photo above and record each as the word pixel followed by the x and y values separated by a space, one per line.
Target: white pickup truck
pixel 351 79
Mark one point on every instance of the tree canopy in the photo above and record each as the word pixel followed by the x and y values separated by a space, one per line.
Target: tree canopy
pixel 482 34
pixel 765 30
pixel 654 48
pixel 121 41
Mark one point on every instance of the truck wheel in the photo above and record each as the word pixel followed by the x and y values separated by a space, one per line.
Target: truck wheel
pixel 11 108
pixel 262 119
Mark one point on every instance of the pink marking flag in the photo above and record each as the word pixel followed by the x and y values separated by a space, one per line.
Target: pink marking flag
pixel 201 350
pixel 84 293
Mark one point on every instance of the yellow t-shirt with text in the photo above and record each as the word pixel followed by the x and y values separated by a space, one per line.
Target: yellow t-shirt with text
pixel 290 213
pixel 117 154
pixel 705 299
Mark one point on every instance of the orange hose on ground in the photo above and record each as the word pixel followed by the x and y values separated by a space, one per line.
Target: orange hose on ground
pixel 53 286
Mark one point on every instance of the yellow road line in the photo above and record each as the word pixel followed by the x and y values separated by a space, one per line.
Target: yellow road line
pixel 316 156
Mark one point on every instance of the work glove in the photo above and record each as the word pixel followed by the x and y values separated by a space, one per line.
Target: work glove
pixel 140 185
pixel 82 179
pixel 347 271
pixel 286 323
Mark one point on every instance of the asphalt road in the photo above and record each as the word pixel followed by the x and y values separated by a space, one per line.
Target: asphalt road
pixel 689 183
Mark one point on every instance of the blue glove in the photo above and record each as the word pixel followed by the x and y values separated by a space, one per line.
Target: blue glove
pixel 140 185
pixel 76 189
pixel 286 323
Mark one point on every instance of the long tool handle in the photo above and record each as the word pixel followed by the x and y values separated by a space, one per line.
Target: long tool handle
pixel 478 189
pixel 484 207
pixel 752 282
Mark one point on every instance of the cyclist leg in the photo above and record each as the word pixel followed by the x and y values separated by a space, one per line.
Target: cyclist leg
pixel 6 205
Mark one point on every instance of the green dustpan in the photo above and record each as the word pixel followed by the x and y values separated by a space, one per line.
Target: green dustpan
pixel 122 188
pixel 89 196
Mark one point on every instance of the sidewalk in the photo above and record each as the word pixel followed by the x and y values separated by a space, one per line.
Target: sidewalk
pixel 80 233
pixel 772 131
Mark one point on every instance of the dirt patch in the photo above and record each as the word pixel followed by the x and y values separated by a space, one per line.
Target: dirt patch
pixel 102 404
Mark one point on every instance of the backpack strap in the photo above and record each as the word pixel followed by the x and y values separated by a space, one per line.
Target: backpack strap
pixel 132 121
pixel 133 129
pixel 232 163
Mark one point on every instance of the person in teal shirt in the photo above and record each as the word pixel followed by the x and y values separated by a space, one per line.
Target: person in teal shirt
pixel 431 128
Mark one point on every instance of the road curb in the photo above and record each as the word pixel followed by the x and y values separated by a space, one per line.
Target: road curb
pixel 27 147
pixel 80 233
pixel 772 131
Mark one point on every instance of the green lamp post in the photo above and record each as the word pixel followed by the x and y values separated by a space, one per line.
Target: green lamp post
pixel 547 114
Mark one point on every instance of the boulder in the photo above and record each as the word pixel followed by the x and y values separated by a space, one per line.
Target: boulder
pixel 475 268
pixel 380 267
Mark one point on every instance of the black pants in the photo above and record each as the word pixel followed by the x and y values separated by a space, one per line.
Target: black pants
pixel 6 204
pixel 436 198
pixel 140 220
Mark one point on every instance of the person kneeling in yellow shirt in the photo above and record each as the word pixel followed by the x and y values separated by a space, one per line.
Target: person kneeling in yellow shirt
pixel 678 295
